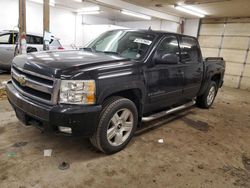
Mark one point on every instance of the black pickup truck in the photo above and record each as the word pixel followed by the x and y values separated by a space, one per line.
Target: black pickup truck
pixel 106 90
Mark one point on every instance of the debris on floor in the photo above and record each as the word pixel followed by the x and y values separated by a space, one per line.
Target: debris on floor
pixel 11 154
pixel 246 162
pixel 20 144
pixel 47 152
pixel 63 166
pixel 161 141
pixel 2 93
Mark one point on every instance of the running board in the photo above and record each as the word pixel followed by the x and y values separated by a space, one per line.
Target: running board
pixel 164 113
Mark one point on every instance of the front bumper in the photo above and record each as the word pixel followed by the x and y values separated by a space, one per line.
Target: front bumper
pixel 81 119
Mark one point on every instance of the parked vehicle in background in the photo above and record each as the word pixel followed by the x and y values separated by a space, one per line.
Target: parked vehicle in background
pixel 9 39
pixel 106 90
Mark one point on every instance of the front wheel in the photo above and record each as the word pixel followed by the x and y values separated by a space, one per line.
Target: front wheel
pixel 116 126
pixel 206 100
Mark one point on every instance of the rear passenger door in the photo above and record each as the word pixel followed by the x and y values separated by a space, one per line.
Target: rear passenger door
pixel 192 66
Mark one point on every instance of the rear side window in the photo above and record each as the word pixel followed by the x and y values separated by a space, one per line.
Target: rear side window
pixel 34 40
pixel 5 39
pixel 168 46
pixel 189 50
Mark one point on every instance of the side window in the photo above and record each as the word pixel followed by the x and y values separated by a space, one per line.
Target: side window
pixel 34 40
pixel 5 39
pixel 189 50
pixel 38 40
pixel 29 39
pixel 168 46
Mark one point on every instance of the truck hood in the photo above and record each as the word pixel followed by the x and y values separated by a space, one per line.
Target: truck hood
pixel 59 63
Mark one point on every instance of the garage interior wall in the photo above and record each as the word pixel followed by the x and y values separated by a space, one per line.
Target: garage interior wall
pixel 230 39
pixel 79 29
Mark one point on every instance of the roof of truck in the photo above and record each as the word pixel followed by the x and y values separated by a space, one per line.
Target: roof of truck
pixel 150 31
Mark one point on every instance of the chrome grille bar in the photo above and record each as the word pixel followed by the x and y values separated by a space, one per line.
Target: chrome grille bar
pixel 35 86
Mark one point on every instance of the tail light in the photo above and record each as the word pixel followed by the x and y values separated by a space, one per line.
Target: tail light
pixel 60 48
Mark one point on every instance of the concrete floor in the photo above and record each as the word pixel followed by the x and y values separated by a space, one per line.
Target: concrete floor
pixel 202 148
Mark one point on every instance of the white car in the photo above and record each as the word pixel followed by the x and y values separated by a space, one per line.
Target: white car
pixel 9 39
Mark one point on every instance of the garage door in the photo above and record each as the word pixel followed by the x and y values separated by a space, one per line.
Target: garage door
pixel 230 39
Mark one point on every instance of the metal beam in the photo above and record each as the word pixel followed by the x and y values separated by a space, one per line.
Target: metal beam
pixel 22 26
pixel 118 4
pixel 46 19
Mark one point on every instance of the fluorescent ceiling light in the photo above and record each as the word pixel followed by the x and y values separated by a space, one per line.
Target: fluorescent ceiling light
pixel 189 11
pixel 195 9
pixel 129 13
pixel 89 12
pixel 51 2
pixel 79 1
pixel 89 9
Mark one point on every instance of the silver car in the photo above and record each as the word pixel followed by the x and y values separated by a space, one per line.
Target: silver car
pixel 8 40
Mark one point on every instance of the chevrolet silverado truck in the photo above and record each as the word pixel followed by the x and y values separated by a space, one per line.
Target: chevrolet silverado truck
pixel 106 90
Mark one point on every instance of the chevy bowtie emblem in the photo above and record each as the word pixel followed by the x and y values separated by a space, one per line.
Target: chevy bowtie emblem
pixel 22 80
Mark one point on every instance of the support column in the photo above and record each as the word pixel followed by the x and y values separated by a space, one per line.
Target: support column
pixel 46 20
pixel 22 26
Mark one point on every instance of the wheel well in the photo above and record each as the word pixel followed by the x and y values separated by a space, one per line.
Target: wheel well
pixel 216 78
pixel 134 95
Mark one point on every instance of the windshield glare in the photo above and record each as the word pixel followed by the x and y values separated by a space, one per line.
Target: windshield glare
pixel 133 45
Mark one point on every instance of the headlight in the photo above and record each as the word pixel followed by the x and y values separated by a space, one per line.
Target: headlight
pixel 77 92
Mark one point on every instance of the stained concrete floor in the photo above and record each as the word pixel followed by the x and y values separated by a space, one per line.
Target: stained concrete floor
pixel 202 148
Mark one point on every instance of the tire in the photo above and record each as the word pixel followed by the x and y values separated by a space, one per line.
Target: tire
pixel 118 120
pixel 206 100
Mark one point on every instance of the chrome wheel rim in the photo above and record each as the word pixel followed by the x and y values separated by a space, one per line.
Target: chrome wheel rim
pixel 120 127
pixel 211 95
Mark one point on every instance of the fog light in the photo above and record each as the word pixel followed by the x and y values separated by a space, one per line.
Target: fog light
pixel 66 130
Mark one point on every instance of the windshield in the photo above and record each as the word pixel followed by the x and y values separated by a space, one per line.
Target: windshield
pixel 133 45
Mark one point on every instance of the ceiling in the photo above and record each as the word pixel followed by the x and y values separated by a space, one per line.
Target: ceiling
pixel 213 8
pixel 106 12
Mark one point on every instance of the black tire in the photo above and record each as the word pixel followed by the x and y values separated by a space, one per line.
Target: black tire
pixel 203 101
pixel 111 107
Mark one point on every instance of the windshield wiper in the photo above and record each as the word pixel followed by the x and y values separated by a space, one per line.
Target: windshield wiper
pixel 111 52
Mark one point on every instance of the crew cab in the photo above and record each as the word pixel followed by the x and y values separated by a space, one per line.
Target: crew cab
pixel 106 90
pixel 8 47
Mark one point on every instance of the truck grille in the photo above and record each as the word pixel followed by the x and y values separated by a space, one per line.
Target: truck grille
pixel 35 86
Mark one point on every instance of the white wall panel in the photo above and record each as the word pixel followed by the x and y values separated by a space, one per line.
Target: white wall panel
pixel 231 81
pixel 235 43
pixel 210 52
pixel 154 24
pixel 237 29
pixel 233 55
pixel 246 72
pixel 234 68
pixel 248 58
pixel 210 41
pixel 245 83
pixel 211 29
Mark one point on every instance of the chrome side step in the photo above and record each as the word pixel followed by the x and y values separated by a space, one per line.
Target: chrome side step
pixel 167 112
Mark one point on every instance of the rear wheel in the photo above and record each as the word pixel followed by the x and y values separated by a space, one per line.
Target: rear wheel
pixel 207 99
pixel 117 124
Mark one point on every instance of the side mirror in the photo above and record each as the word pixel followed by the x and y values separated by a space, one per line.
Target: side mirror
pixel 166 59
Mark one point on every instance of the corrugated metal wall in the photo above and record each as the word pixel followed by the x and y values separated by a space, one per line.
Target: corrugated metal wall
pixel 230 39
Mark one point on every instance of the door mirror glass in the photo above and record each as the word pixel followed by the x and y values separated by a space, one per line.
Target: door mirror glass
pixel 166 59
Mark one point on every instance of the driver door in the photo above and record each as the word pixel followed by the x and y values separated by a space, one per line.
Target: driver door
pixel 165 80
